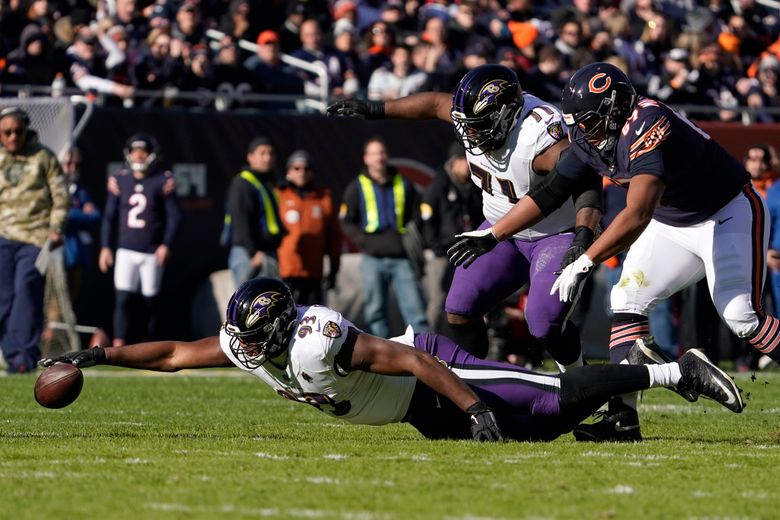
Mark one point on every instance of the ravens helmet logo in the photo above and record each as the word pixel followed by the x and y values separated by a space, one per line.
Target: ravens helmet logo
pixel 261 305
pixel 488 93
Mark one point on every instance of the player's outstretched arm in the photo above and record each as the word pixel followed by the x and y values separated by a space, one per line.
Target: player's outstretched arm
pixel 363 351
pixel 424 105
pixel 161 356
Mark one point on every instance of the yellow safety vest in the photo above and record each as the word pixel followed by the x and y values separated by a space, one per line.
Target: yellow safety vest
pixel 269 205
pixel 372 210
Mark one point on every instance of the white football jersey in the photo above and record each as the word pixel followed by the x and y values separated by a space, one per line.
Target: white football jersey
pixel 311 375
pixel 506 174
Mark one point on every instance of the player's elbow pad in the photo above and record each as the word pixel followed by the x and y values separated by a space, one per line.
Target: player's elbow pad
pixel 552 193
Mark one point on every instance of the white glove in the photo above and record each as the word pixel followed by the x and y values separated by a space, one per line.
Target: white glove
pixel 569 284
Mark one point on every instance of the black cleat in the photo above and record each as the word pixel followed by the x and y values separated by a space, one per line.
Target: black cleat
pixel 620 423
pixel 645 351
pixel 701 374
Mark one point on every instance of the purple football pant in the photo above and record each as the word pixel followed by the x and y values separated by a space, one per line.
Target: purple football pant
pixel 502 271
pixel 527 405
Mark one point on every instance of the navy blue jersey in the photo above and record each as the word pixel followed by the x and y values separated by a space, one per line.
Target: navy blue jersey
pixel 144 214
pixel 699 175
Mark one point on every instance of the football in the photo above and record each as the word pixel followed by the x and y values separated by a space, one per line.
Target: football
pixel 59 385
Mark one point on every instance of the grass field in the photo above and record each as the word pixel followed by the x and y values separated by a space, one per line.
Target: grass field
pixel 218 444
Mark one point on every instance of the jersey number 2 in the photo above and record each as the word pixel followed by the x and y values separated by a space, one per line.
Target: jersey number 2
pixel 138 205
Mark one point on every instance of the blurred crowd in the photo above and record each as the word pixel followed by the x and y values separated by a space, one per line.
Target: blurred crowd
pixel 713 53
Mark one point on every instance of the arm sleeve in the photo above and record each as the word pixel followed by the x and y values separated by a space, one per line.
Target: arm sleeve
pixel 172 218
pixel 562 182
pixel 588 194
pixel 108 227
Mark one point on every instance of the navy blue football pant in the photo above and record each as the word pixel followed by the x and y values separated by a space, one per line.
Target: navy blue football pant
pixel 21 305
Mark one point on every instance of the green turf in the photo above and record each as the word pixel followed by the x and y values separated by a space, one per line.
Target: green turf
pixel 221 446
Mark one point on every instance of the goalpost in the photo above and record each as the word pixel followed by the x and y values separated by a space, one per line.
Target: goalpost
pixel 54 120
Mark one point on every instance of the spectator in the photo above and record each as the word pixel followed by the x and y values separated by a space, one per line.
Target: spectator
pixel 82 221
pixel 344 39
pixel 87 69
pixel 31 63
pixel 253 228
pixel 140 221
pixel 672 84
pixel 400 80
pixel 35 203
pixel 760 162
pixel 341 71
pixel 188 30
pixel 198 76
pixel 375 210
pixel 271 75
pixel 290 31
pixel 157 69
pixel 236 22
pixel 233 79
pixel 313 232
pixel 545 80
pixel 451 205
pixel 127 17
pixel 441 59
pixel 715 83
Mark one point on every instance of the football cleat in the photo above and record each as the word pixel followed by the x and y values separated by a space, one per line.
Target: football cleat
pixel 645 351
pixel 701 374
pixel 619 423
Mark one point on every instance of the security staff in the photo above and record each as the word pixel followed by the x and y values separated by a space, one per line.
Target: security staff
pixel 376 209
pixel 253 228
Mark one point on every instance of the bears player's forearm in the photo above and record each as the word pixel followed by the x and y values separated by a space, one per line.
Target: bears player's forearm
pixel 619 235
pixel 425 105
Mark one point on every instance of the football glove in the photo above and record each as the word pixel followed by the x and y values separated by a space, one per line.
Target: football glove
pixel 471 245
pixel 358 108
pixel 583 238
pixel 78 358
pixel 483 423
pixel 569 284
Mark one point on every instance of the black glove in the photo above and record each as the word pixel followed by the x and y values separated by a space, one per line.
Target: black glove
pixel 471 245
pixel 358 108
pixel 78 358
pixel 583 238
pixel 483 423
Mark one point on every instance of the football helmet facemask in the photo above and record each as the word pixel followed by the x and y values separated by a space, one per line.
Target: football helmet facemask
pixel 148 143
pixel 485 106
pixel 598 100
pixel 260 320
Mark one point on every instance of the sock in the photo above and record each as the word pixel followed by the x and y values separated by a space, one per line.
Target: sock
pixel 626 329
pixel 667 375
pixel 472 337
pixel 767 337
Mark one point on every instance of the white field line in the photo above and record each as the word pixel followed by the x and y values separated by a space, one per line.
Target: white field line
pixel 266 511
